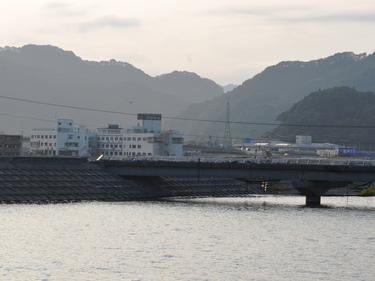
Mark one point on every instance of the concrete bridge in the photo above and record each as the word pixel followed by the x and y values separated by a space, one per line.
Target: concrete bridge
pixel 311 178
pixel 38 179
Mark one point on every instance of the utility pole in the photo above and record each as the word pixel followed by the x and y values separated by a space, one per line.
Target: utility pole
pixel 227 140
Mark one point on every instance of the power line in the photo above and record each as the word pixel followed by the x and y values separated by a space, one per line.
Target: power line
pixel 192 119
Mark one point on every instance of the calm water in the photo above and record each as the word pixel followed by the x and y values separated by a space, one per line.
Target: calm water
pixel 253 238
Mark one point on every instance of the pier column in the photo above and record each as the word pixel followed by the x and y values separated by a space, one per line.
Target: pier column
pixel 312 200
pixel 313 190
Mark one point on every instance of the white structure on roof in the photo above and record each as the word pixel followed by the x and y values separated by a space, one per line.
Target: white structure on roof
pixel 142 140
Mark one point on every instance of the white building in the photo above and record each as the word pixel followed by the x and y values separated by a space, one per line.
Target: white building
pixel 142 140
pixel 63 140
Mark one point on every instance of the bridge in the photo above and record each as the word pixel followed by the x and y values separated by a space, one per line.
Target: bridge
pixel 312 177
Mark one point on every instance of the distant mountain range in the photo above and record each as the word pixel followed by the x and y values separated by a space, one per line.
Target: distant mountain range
pixel 256 103
pixel 50 75
pixel 45 82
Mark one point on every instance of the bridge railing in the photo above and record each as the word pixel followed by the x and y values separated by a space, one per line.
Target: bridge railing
pixel 289 161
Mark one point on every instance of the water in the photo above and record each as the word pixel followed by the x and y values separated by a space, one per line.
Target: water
pixel 252 238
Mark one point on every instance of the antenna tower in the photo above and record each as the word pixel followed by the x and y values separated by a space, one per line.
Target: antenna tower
pixel 227 140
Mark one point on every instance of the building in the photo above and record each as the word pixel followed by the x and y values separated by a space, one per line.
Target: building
pixel 145 139
pixel 25 146
pixel 63 140
pixel 43 141
pixel 303 145
pixel 10 145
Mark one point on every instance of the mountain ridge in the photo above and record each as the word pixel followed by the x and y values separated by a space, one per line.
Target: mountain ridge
pixel 52 75
pixel 259 100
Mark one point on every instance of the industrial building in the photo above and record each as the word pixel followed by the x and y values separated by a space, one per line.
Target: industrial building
pixel 145 139
pixel 303 145
pixel 62 140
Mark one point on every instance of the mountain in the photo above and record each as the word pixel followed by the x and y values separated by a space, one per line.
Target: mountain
pixel 336 115
pixel 50 75
pixel 229 87
pixel 256 103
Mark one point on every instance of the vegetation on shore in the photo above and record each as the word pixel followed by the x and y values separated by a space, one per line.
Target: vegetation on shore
pixel 368 192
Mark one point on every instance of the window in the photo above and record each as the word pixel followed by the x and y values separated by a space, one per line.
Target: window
pixel 42 136
pixel 116 139
pixel 50 136
pixel 134 146
pixel 139 139
pixel 120 145
pixel 54 136
pixel 134 138
pixel 139 146
pixel 107 145
pixel 120 153
pixel 144 139
pixel 116 145
pixel 130 146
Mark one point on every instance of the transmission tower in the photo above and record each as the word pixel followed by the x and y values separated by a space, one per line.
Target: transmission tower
pixel 227 141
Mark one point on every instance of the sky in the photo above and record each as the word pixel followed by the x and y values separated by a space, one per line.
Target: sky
pixel 225 41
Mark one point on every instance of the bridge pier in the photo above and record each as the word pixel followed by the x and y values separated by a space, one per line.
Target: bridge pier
pixel 312 200
pixel 313 190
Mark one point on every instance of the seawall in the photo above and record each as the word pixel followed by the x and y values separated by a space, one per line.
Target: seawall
pixel 54 179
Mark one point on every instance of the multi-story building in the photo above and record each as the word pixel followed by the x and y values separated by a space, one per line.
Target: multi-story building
pixel 63 140
pixel 10 145
pixel 144 140
pixel 43 141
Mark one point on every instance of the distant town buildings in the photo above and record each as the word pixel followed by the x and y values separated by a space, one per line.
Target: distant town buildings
pixel 62 140
pixel 145 139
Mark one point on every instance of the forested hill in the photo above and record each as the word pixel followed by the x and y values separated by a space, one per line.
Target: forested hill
pixel 262 98
pixel 335 115
pixel 51 75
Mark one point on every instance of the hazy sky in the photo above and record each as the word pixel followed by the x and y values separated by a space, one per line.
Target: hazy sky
pixel 226 41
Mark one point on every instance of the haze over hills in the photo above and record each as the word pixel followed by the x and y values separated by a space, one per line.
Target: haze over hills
pixel 259 100
pixel 51 75
pixel 335 115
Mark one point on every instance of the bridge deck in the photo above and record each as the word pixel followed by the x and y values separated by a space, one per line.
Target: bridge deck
pixel 360 171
